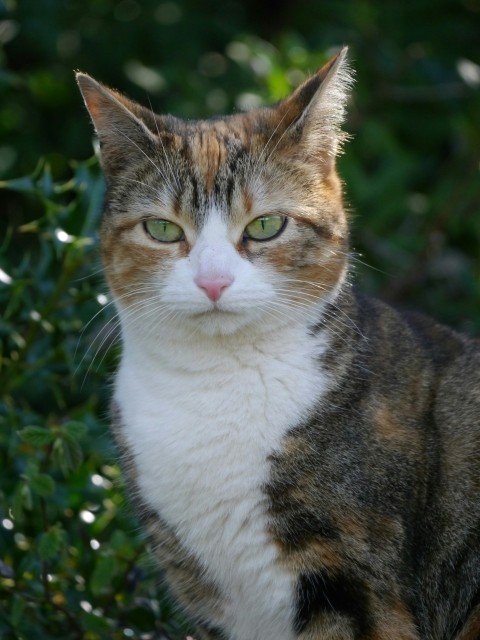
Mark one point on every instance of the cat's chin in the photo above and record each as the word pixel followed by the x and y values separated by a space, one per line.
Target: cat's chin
pixel 221 323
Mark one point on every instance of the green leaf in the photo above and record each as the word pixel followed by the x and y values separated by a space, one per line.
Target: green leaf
pixel 75 429
pixel 22 499
pixel 103 574
pixel 27 497
pixel 42 484
pixel 96 624
pixel 67 453
pixel 45 182
pixel 122 544
pixel 36 436
pixel 18 609
pixel 74 450
pixel 51 543
pixel 24 184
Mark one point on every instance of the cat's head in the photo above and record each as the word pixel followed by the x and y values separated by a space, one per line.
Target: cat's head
pixel 221 224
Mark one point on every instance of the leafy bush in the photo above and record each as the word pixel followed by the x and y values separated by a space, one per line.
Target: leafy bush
pixel 73 563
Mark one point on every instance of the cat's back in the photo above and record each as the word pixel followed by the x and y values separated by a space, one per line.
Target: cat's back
pixel 416 387
pixel 402 345
pixel 425 372
pixel 449 536
pixel 396 440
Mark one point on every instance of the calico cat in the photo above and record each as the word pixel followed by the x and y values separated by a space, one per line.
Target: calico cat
pixel 305 459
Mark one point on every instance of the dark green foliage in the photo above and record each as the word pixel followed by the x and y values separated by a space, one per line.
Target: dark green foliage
pixel 72 563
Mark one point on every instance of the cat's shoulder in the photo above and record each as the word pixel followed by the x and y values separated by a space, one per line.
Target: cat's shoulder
pixel 411 328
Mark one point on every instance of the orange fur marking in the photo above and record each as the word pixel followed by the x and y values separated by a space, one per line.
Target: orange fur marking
pixel 389 431
pixel 209 154
pixel 471 631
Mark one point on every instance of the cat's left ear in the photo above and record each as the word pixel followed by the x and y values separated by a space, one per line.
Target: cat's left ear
pixel 123 127
pixel 314 112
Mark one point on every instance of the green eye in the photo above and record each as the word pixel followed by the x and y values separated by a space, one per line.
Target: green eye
pixel 163 230
pixel 265 227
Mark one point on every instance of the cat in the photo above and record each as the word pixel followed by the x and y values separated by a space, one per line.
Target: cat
pixel 304 459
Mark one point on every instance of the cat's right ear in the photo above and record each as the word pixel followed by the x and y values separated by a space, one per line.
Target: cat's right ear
pixel 118 122
pixel 311 117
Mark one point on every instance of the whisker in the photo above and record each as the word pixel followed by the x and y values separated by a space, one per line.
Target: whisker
pixel 116 324
pixel 145 289
pixel 154 164
pixel 151 307
pixel 90 274
pixel 172 173
pixel 256 162
pixel 338 311
pixel 143 184
pixel 82 333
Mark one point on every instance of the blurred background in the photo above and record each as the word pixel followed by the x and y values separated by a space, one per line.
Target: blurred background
pixel 72 563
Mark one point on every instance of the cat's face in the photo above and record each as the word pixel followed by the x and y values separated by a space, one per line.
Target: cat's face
pixel 219 225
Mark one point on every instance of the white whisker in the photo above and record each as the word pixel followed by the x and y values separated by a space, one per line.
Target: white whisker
pixel 154 164
pixel 172 173
pixel 256 162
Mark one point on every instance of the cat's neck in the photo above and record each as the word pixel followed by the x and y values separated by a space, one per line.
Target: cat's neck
pixel 174 345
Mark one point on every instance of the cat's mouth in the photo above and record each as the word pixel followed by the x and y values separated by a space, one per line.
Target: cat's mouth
pixel 218 321
pixel 215 311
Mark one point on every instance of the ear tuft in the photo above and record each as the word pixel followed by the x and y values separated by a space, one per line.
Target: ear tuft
pixel 316 110
pixel 94 96
pixel 332 98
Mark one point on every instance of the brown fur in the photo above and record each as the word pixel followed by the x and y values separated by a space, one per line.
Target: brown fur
pixel 471 631
pixel 374 499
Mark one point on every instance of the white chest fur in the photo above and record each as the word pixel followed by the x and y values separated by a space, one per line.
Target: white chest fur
pixel 201 421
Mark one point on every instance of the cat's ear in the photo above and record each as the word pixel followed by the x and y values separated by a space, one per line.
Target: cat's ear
pixel 313 114
pixel 122 126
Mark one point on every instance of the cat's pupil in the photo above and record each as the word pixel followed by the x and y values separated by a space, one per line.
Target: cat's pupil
pixel 163 230
pixel 265 227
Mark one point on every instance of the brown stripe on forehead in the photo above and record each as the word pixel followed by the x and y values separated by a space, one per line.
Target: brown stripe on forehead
pixel 230 133
pixel 209 153
pixel 210 146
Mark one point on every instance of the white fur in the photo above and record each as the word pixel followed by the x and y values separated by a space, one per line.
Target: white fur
pixel 203 412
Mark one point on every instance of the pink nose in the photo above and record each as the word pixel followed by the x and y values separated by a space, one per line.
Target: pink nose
pixel 214 287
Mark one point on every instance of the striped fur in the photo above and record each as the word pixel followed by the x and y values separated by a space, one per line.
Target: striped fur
pixel 303 459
